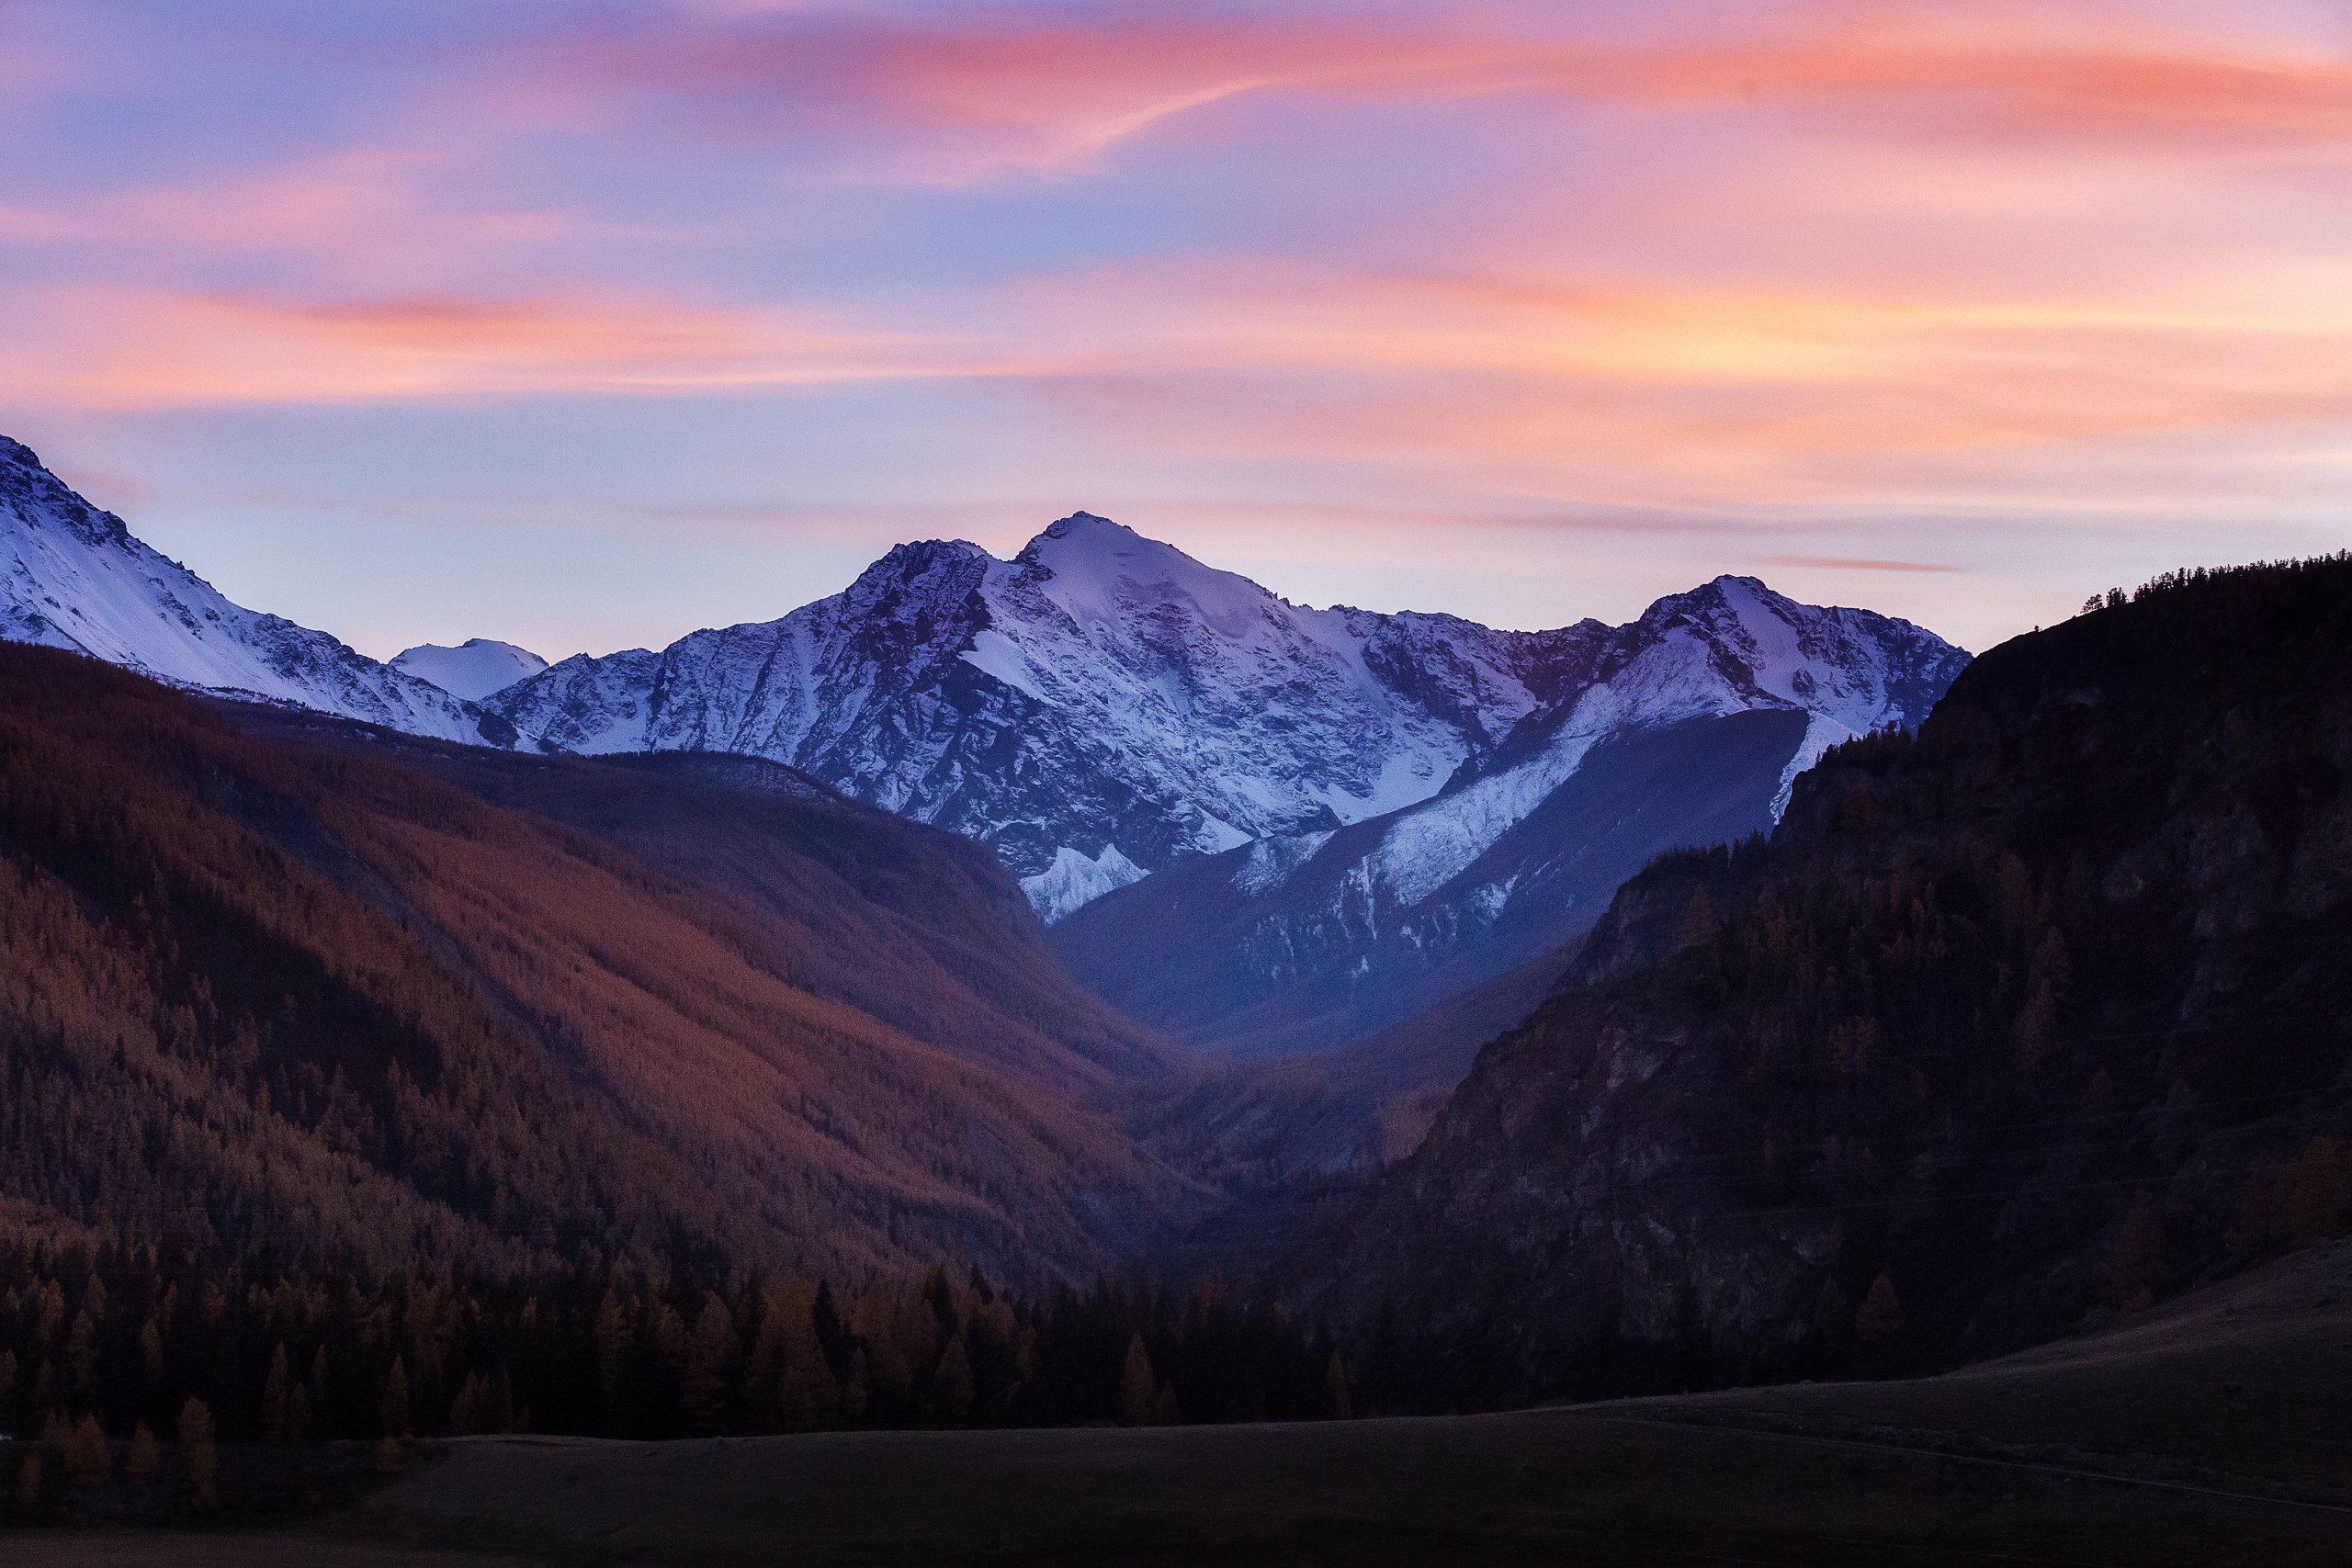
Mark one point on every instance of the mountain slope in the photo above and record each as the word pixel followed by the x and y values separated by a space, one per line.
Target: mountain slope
pixel 73 577
pixel 270 981
pixel 1688 728
pixel 2036 1013
pixel 472 670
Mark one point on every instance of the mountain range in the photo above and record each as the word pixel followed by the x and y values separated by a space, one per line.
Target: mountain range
pixel 1103 707
pixel 1317 823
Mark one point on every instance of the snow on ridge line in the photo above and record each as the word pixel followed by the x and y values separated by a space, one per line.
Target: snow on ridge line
pixel 476 668
pixel 1074 880
pixel 74 577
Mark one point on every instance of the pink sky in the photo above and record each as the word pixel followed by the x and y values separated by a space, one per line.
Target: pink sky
pixel 586 325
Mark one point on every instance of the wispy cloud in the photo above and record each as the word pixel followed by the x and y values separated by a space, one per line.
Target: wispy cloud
pixel 112 348
pixel 989 88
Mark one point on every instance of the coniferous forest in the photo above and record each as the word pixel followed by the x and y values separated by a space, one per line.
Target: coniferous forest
pixel 130 1336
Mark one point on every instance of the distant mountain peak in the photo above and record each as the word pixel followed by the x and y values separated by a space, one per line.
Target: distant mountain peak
pixel 1089 525
pixel 472 670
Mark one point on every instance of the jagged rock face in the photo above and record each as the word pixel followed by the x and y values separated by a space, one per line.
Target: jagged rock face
pixel 1101 707
pixel 1687 728
pixel 73 577
pixel 1098 707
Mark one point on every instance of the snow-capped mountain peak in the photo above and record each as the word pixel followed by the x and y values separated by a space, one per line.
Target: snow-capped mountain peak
pixel 472 670
pixel 74 576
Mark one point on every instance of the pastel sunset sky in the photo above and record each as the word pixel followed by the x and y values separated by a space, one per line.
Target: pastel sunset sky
pixel 586 325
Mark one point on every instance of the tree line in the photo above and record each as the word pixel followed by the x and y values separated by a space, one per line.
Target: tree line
pixel 128 1338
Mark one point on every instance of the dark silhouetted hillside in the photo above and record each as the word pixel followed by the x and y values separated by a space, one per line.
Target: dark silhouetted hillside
pixel 2037 1016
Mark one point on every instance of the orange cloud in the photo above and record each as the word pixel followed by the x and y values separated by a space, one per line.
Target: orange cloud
pixel 1699 395
pixel 116 349
pixel 360 205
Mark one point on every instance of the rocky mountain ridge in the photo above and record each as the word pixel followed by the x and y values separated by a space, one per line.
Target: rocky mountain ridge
pixel 74 577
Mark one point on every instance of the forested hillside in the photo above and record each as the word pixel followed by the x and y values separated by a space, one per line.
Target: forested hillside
pixel 2042 1012
pixel 270 997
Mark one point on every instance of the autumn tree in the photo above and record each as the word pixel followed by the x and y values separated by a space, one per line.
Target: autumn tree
pixel 2315 1192
pixel 394 1422
pixel 146 1457
pixel 86 1453
pixel 1138 1385
pixel 203 1456
pixel 1880 1316
pixel 273 1398
pixel 1335 1390
pixel 951 1386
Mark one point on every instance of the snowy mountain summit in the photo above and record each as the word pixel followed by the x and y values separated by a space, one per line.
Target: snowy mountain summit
pixel 73 577
pixel 1103 707
pixel 473 669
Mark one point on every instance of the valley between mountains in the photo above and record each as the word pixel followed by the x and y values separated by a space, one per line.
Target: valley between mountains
pixel 1087 986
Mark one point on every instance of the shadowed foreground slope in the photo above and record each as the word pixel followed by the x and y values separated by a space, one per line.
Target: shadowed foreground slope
pixel 2208 1430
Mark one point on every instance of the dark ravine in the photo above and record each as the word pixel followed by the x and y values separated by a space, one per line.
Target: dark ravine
pixel 2038 1014
pixel 1322 959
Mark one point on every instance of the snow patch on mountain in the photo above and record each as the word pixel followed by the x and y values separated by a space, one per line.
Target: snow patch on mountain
pixel 1820 733
pixel 1074 880
pixel 1273 861
pixel 74 577
pixel 473 669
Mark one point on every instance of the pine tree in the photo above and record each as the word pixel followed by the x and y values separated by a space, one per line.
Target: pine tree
pixel 2315 1193
pixel 465 1411
pixel 395 1414
pixel 498 1409
pixel 86 1453
pixel 203 1457
pixel 1880 1314
pixel 1138 1385
pixel 857 1397
pixel 710 1351
pixel 273 1398
pixel 28 1483
pixel 951 1386
pixel 146 1457
pixel 1336 1403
